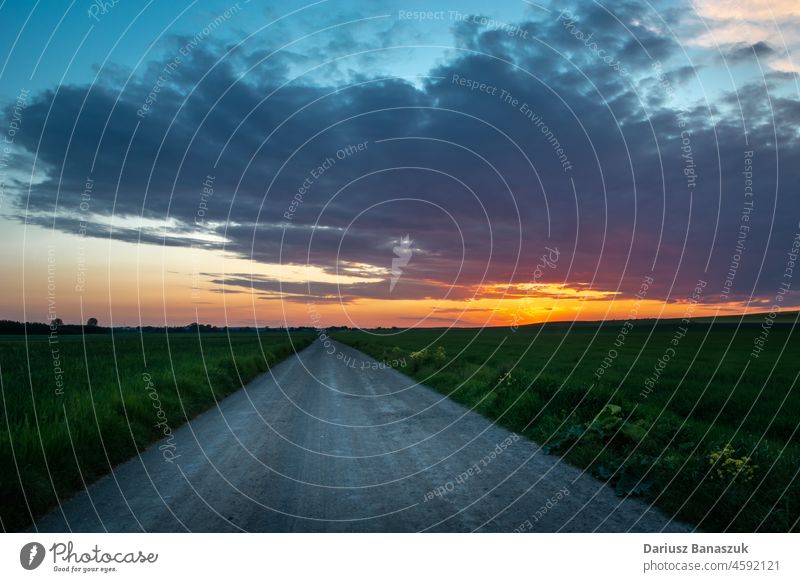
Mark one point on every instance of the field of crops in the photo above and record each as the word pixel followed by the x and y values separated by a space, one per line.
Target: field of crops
pixel 74 408
pixel 684 416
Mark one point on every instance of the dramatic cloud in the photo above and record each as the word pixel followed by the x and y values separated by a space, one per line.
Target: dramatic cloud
pixel 575 136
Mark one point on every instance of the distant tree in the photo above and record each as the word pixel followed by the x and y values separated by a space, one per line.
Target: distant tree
pixel 91 322
pixel 57 321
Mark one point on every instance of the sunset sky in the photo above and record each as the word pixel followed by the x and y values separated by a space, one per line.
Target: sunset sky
pixel 262 163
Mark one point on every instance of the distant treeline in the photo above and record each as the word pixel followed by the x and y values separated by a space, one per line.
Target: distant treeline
pixel 35 328
pixel 8 327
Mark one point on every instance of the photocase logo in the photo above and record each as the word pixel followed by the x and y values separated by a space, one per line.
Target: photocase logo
pixel 403 252
pixel 31 555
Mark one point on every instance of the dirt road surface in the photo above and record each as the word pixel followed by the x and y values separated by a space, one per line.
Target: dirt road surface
pixel 328 443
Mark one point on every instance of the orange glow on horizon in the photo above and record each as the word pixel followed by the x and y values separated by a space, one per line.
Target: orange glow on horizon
pixel 128 285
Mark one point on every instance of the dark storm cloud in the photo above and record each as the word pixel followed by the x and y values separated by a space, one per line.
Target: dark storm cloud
pixel 746 52
pixel 408 288
pixel 475 173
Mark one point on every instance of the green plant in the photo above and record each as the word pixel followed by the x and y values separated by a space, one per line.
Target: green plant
pixel 607 420
pixel 725 466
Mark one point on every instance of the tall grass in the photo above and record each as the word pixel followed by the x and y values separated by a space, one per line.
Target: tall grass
pixel 714 442
pixel 57 432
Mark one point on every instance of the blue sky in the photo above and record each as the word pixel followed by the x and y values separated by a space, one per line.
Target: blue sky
pixel 129 32
pixel 51 45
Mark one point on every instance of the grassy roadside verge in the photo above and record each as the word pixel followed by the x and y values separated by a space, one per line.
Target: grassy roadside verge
pixel 72 414
pixel 710 436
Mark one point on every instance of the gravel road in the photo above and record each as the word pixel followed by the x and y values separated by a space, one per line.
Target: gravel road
pixel 331 442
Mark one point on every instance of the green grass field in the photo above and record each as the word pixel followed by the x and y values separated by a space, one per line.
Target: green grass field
pixel 708 436
pixel 71 419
